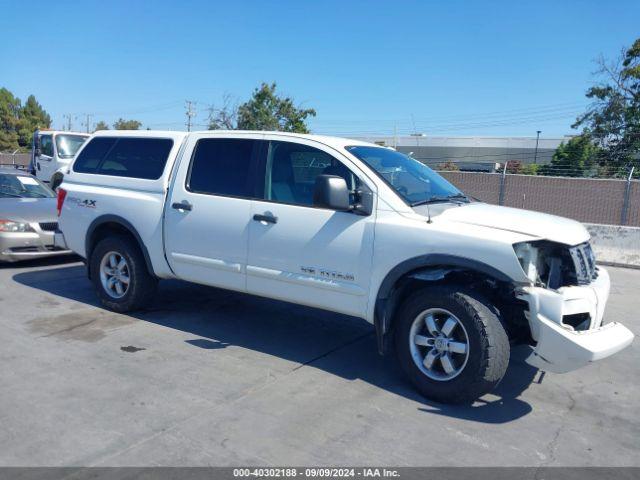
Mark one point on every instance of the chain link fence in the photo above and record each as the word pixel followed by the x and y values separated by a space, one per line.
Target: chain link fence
pixel 589 200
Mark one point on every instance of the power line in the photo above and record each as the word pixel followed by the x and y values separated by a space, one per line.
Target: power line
pixel 149 109
pixel 443 127
pixel 501 115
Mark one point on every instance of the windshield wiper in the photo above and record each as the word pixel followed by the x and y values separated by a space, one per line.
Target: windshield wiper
pixel 458 196
pixel 430 200
pixel 439 199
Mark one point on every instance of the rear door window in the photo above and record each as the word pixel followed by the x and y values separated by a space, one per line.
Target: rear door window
pixel 125 157
pixel 226 167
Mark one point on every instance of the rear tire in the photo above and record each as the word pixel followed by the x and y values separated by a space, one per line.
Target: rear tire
pixel 120 275
pixel 432 351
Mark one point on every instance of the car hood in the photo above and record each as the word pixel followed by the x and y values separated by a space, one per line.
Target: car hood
pixel 534 224
pixel 29 209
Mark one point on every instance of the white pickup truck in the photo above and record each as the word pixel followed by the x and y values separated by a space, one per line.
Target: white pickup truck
pixel 345 226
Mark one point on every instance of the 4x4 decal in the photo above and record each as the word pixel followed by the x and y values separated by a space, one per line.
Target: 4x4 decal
pixel 82 203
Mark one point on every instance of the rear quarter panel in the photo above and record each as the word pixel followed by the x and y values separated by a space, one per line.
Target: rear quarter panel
pixel 143 209
pixel 139 202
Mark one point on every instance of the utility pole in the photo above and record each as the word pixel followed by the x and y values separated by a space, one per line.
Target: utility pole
pixel 191 112
pixel 68 118
pixel 88 121
pixel 535 155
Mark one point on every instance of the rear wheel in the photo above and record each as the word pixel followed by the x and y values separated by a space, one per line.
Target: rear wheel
pixel 451 344
pixel 120 275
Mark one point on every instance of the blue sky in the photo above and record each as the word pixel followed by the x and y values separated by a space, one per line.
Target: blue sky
pixel 441 68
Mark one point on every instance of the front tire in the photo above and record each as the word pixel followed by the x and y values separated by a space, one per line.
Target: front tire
pixel 120 275
pixel 451 344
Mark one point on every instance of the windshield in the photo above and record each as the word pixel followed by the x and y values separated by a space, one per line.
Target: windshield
pixel 412 180
pixel 68 145
pixel 23 186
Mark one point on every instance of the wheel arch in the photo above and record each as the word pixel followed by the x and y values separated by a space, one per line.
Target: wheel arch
pixel 104 225
pixel 424 268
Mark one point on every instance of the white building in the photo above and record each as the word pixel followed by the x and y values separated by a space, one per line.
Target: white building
pixel 472 153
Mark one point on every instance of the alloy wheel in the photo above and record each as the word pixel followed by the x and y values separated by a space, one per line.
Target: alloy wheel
pixel 439 344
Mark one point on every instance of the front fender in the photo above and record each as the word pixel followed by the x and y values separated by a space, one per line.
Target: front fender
pixel 438 265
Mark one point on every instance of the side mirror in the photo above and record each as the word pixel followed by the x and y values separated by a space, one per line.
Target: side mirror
pixel 38 152
pixel 331 192
pixel 56 181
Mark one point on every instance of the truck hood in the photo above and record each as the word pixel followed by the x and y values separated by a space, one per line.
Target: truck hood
pixel 534 224
pixel 29 210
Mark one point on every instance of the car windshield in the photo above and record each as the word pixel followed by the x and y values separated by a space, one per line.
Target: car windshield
pixel 68 145
pixel 23 186
pixel 416 183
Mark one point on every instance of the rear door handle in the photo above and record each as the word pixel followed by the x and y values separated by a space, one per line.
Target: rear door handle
pixel 265 218
pixel 182 206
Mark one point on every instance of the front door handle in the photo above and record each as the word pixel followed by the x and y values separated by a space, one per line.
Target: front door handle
pixel 182 206
pixel 265 218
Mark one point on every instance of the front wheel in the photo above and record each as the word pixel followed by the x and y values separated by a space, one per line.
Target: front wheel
pixel 120 276
pixel 451 344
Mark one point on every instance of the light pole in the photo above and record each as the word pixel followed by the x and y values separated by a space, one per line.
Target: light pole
pixel 535 155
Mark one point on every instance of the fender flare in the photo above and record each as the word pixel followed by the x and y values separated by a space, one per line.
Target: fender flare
pixel 110 218
pixel 385 303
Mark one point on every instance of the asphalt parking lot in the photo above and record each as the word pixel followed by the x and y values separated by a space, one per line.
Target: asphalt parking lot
pixel 209 377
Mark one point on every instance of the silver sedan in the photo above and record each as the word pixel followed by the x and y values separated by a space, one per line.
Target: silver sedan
pixel 28 218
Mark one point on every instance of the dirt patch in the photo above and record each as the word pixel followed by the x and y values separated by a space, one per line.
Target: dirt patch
pixel 87 325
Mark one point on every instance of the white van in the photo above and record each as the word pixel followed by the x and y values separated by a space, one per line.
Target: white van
pixel 52 150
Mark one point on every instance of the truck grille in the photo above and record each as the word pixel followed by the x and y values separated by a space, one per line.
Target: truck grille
pixel 584 262
pixel 49 226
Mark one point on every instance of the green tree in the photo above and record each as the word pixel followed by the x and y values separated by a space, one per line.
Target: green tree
pixel 577 158
pixel 17 122
pixel 530 169
pixel 9 120
pixel 265 110
pixel 32 117
pixel 101 126
pixel 123 124
pixel 613 119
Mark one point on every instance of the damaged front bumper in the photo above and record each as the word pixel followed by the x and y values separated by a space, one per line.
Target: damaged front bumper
pixel 562 348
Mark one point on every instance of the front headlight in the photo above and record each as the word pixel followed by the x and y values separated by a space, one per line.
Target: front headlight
pixel 546 264
pixel 13 227
pixel 528 255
